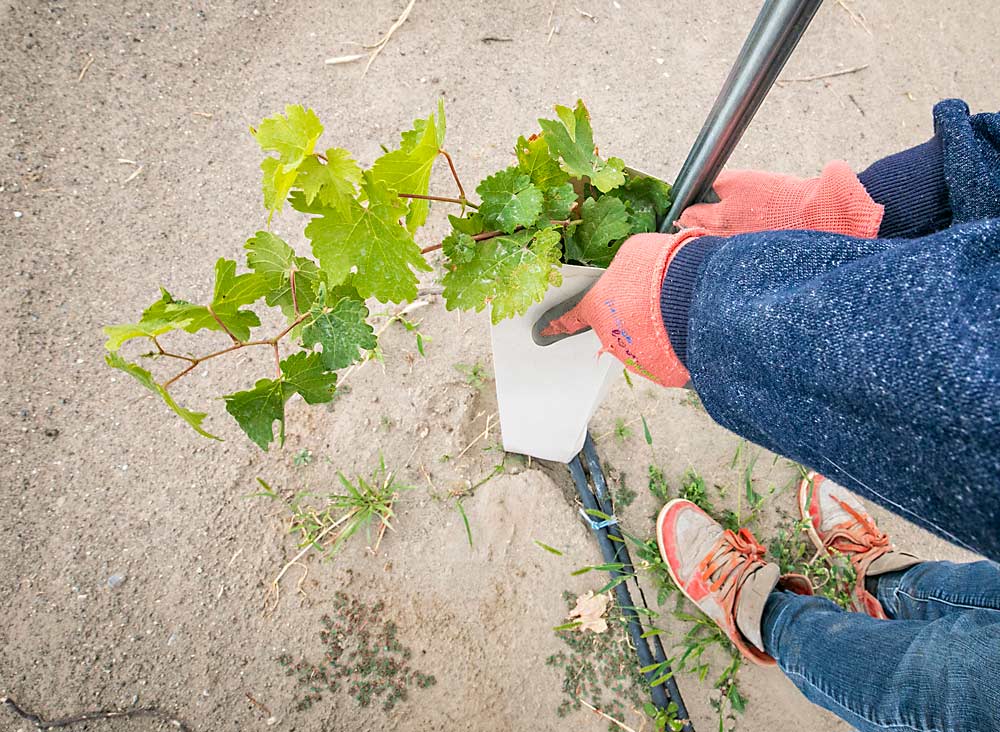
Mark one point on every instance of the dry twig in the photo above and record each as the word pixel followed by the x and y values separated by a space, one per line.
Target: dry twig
pixel 484 433
pixel 608 717
pixel 856 16
pixel 829 75
pixel 83 71
pixel 40 723
pixel 374 49
pixel 334 60
pixel 133 176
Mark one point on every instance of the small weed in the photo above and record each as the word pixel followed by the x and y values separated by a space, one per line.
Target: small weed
pixel 475 374
pixel 302 458
pixel 600 668
pixel 693 489
pixel 621 495
pixel 622 431
pixel 658 484
pixel 692 400
pixel 342 390
pixel 413 326
pixel 386 423
pixel 664 720
pixel 362 652
pixel 325 528
pixel 832 575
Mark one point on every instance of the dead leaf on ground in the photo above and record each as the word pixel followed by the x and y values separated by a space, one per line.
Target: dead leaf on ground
pixel 589 611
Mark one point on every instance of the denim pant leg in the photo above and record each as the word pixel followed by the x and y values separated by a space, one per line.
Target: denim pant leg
pixel 934 589
pixel 938 675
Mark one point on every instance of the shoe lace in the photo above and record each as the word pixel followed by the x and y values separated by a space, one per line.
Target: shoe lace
pixel 731 559
pixel 857 536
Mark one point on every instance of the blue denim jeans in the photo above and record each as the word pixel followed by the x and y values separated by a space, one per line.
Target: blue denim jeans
pixel 935 665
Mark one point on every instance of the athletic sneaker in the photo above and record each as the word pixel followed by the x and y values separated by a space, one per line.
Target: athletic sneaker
pixel 722 572
pixel 838 523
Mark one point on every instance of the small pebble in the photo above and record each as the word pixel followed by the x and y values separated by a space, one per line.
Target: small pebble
pixel 18 214
pixel 115 581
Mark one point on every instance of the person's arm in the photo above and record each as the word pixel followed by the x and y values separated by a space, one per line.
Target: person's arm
pixel 876 361
pixel 873 361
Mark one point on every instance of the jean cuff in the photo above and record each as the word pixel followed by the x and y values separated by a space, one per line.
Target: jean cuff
pixel 772 621
pixel 678 289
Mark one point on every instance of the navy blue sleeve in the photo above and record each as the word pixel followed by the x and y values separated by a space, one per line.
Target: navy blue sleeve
pixel 954 175
pixel 873 361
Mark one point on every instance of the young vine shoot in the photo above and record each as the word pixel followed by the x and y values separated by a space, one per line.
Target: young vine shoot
pixel 559 202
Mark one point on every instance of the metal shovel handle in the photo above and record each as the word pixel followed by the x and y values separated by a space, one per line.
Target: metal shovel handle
pixel 777 30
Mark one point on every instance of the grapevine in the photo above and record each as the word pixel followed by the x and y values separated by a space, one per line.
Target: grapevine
pixel 559 202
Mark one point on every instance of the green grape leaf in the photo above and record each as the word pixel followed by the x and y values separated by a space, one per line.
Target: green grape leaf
pixel 459 247
pixel 509 272
pixel 306 374
pixel 273 259
pixel 119 334
pixel 558 202
pixel 510 200
pixel 408 169
pixel 535 160
pixel 371 243
pixel 603 223
pixel 333 181
pixel 146 379
pixel 276 183
pixel 292 136
pixel 233 290
pixel 470 225
pixel 339 325
pixel 647 201
pixel 193 318
pixel 257 409
pixel 572 138
pixel 297 199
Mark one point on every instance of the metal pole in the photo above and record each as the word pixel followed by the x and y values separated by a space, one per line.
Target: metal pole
pixel 777 30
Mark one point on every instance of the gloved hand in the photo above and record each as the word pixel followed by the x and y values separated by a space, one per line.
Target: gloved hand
pixel 753 200
pixel 623 308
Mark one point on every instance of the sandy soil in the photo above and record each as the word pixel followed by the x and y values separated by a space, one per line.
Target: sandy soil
pixel 100 480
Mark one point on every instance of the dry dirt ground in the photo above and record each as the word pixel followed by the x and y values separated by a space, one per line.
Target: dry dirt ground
pixel 98 479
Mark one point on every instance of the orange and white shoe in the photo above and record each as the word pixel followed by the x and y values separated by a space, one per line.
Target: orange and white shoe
pixel 838 522
pixel 722 572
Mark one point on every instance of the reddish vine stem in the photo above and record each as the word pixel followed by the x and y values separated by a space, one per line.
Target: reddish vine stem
pixel 273 342
pixel 454 173
pixel 277 358
pixel 491 235
pixel 163 352
pixel 443 199
pixel 321 156
pixel 223 325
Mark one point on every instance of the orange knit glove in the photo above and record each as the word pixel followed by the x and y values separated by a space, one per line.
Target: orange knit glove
pixel 623 308
pixel 755 201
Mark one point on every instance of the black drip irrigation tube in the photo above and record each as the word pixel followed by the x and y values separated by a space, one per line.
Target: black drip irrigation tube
pixel 594 495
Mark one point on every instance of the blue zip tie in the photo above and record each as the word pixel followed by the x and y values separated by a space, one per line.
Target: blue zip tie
pixel 598 525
